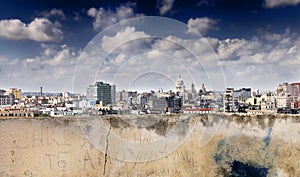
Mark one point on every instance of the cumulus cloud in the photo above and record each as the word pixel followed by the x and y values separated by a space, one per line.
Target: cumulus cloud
pixel 40 29
pixel 259 63
pixel 58 13
pixel 139 53
pixel 53 69
pixel 106 17
pixel 280 3
pixel 201 25
pixel 125 39
pixel 231 48
pixel 266 35
pixel 165 6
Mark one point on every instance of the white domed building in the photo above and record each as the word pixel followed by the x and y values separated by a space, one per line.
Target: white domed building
pixel 180 88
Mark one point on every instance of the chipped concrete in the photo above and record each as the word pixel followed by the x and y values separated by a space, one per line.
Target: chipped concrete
pixel 58 147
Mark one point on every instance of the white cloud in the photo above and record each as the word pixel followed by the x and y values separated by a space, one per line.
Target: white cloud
pixel 230 47
pixel 165 6
pixel 259 63
pixel 106 17
pixel 275 36
pixel 256 63
pixel 54 13
pixel 280 3
pixel 201 25
pixel 40 29
pixel 52 70
pixel 271 36
pixel 129 34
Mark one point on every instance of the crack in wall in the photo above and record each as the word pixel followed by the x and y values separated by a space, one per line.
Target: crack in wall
pixel 106 148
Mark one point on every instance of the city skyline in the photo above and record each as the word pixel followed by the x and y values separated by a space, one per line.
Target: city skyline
pixel 255 42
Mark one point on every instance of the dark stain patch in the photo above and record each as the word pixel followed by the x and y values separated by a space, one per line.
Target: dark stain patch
pixel 240 169
pixel 161 127
pixel 271 121
pixel 222 158
pixel 230 163
pixel 204 120
pixel 116 122
pixel 261 121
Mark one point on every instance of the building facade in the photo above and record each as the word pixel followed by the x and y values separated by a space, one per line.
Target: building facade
pixel 101 92
pixel 17 93
pixel 283 100
pixel 285 88
pixel 234 100
pixel 179 87
pixel 6 100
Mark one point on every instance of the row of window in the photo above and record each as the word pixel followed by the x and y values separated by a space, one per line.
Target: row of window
pixel 16 114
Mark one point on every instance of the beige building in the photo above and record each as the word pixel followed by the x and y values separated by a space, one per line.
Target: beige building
pixel 293 89
pixel 17 93
pixel 283 101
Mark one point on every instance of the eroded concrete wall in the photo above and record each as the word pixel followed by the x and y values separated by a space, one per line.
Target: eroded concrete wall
pixel 58 147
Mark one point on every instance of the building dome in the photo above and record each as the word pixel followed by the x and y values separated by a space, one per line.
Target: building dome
pixel 179 80
pixel 179 85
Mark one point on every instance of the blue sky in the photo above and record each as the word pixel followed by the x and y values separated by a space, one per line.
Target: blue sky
pixel 256 41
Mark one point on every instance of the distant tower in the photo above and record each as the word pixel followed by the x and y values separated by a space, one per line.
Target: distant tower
pixel 192 87
pixel 41 91
pixel 179 86
pixel 203 88
pixel 193 91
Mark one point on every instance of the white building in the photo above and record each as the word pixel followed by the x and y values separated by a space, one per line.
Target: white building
pixel 179 88
pixel 283 100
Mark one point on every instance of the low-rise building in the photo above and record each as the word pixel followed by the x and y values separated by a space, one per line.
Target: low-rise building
pixel 283 100
pixel 6 100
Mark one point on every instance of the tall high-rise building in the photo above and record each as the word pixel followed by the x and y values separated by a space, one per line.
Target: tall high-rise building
pixel 113 94
pixel 101 92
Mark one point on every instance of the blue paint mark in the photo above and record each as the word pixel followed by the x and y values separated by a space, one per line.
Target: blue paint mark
pixel 240 169
pixel 267 141
pixel 220 152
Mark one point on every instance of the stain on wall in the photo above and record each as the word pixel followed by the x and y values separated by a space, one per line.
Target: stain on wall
pixel 248 145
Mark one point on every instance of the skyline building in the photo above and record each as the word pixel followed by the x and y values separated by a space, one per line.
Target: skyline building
pixel 17 93
pixel 6 98
pixel 101 92
pixel 179 87
pixel 293 89
pixel 234 99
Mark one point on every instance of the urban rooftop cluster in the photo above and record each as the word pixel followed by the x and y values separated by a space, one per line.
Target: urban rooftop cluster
pixel 102 98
